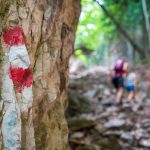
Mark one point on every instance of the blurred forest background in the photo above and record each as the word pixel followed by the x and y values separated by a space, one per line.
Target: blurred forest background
pixel 109 29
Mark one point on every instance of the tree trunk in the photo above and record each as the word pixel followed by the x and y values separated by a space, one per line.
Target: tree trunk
pixel 147 23
pixel 37 40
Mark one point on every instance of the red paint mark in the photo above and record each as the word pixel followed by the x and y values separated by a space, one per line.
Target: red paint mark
pixel 14 36
pixel 21 78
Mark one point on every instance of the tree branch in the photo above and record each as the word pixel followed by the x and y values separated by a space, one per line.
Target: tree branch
pixel 85 49
pixel 122 31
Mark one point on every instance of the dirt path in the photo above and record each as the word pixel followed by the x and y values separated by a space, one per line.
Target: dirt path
pixel 97 123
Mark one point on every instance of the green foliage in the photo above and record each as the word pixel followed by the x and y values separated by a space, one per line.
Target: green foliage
pixel 81 56
pixel 89 26
pixel 96 31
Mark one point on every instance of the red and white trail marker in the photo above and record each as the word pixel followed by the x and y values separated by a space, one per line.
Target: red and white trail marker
pixel 20 71
pixel 17 94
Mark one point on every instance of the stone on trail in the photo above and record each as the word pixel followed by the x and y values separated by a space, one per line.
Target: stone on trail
pixel 115 123
pixel 90 94
pixel 140 133
pixel 127 136
pixel 100 128
pixel 76 124
pixel 107 92
pixel 145 142
pixel 107 102
pixel 77 135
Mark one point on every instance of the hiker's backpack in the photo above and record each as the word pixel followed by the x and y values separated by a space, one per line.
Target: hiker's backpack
pixel 119 66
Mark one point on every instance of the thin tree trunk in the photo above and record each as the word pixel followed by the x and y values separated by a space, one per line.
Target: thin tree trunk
pixel 37 39
pixel 147 23
pixel 122 31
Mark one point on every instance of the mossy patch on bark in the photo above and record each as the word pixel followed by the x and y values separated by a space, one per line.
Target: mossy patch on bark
pixel 52 132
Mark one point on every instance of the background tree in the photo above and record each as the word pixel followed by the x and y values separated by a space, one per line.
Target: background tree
pixel 118 27
pixel 145 12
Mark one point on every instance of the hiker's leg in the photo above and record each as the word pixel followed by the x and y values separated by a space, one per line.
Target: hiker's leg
pixel 119 96
pixel 131 96
pixel 120 90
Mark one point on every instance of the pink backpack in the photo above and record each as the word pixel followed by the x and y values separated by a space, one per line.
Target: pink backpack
pixel 119 65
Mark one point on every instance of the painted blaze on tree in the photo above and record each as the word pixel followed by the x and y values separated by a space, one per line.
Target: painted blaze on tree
pixel 20 71
pixel 17 96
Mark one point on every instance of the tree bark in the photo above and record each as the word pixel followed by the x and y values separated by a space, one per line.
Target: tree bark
pixel 37 39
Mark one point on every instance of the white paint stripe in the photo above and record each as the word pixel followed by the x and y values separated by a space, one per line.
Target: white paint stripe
pixel 18 56
pixel 11 125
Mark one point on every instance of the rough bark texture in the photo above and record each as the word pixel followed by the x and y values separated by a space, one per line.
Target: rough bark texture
pixel 49 28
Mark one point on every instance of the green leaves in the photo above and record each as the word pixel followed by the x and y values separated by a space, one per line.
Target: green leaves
pixel 89 26
pixel 96 31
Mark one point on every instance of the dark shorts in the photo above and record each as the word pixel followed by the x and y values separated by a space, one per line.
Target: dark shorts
pixel 118 82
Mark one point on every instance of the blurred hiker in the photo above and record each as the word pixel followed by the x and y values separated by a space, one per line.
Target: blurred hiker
pixel 131 85
pixel 117 75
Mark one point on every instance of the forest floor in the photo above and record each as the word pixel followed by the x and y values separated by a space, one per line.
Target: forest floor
pixel 96 122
